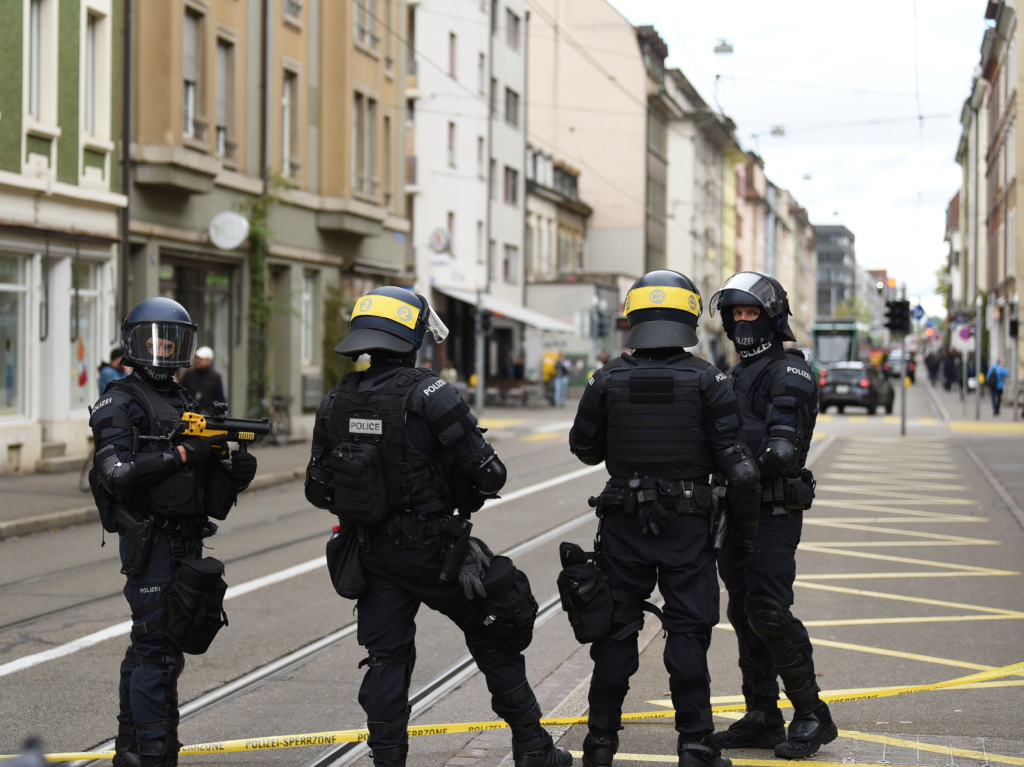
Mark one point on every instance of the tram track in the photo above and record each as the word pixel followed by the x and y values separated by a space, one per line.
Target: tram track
pixel 437 688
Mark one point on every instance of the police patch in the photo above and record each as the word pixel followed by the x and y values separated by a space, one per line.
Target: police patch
pixel 434 387
pixel 365 426
pixel 799 372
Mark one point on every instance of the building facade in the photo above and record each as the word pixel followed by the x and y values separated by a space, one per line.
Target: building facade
pixel 60 204
pixel 304 136
pixel 837 268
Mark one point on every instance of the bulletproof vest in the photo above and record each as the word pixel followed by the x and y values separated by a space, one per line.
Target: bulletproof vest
pixel 654 418
pixel 378 415
pixel 754 401
pixel 178 494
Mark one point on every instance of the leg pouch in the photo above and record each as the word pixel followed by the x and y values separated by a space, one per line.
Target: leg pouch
pixel 343 563
pixel 510 608
pixel 195 604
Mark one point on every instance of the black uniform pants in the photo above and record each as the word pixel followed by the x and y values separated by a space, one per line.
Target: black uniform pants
pixel 681 562
pixel 150 669
pixel 771 576
pixel 398 581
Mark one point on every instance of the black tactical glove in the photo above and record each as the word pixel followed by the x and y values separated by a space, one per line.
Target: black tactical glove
pixel 474 566
pixel 197 449
pixel 243 467
pixel 746 551
pixel 653 517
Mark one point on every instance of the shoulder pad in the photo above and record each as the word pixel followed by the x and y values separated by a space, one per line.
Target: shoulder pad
pixel 695 362
pixel 796 353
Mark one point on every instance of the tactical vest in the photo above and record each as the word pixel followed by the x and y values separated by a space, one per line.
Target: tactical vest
pixel 180 493
pixel 655 425
pixel 412 480
pixel 747 382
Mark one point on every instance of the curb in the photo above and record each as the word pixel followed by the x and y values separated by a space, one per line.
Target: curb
pixel 86 514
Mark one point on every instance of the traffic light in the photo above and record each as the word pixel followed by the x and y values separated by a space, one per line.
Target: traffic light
pixel 485 323
pixel 890 314
pixel 897 316
pixel 603 324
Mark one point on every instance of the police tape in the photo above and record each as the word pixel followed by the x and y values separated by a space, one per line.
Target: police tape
pixel 360 735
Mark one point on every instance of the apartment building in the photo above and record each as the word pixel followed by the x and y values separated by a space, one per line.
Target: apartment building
pixel 60 202
pixel 297 123
pixel 837 268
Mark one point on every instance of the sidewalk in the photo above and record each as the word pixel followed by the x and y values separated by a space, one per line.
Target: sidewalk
pixel 952 408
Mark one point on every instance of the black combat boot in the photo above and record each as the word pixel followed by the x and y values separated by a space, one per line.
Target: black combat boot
pixel 599 748
pixel 532 746
pixel 757 729
pixel 390 756
pixel 702 754
pixel 126 752
pixel 159 753
pixel 808 732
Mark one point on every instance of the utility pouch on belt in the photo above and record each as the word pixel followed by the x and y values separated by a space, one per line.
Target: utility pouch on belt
pixel 343 563
pixel 139 535
pixel 457 530
pixel 800 491
pixel 595 610
pixel 509 607
pixel 195 604
pixel 360 494
pixel 104 502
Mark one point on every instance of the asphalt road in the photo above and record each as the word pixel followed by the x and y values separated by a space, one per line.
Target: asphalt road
pixel 909 574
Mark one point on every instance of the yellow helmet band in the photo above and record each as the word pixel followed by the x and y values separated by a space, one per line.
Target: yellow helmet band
pixel 387 308
pixel 657 297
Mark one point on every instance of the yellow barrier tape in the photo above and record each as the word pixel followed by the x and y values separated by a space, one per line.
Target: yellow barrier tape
pixel 357 736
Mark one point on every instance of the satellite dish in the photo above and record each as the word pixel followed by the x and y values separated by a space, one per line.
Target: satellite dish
pixel 440 240
pixel 228 229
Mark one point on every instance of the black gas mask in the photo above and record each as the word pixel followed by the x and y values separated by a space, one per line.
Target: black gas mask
pixel 158 377
pixel 753 337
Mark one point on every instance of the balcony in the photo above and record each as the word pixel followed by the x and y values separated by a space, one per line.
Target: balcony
pixel 176 169
pixel 293 8
pixel 193 128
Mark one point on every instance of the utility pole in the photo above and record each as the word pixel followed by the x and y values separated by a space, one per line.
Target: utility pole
pixel 1015 362
pixel 979 316
pixel 127 22
pixel 480 364
pixel 480 351
pixel 903 372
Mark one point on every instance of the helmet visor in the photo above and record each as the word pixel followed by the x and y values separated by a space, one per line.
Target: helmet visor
pixel 160 344
pixel 436 327
pixel 761 291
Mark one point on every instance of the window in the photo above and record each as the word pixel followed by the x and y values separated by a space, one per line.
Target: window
pixel 481 74
pixel 225 85
pixel 89 75
pixel 388 171
pixel 290 165
pixel 307 314
pixel 480 146
pixel 493 179
pixel 41 64
pixel 494 16
pixel 451 145
pixel 365 15
pixel 192 67
pixel 13 334
pixel 84 297
pixel 451 232
pixel 494 95
pixel 510 264
pixel 511 107
pixel 512 23
pixel 511 186
pixel 451 55
pixel 389 57
pixel 35 41
pixel 479 242
pixel 364 168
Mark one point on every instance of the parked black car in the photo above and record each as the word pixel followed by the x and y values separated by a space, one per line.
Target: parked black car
pixel 854 383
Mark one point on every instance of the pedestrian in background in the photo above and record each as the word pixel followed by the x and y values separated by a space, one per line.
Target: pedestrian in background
pixel 949 374
pixel 203 383
pixel 561 381
pixel 931 361
pixel 113 370
pixel 996 380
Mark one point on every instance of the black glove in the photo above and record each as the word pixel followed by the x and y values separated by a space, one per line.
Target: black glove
pixel 197 450
pixel 653 517
pixel 746 551
pixel 474 566
pixel 243 467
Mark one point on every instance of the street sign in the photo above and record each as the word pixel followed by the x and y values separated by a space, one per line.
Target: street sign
pixel 962 339
pixel 918 312
pixel 228 229
pixel 440 240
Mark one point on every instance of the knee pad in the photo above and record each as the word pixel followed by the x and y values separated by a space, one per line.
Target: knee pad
pixel 769 620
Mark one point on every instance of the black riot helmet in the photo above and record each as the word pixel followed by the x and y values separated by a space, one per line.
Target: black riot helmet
pixel 391 319
pixel 662 308
pixel 755 289
pixel 158 333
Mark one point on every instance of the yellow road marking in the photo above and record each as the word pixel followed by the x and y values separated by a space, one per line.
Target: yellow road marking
pixel 939 519
pixel 901 544
pixel 895 531
pixel 905 598
pixel 877 507
pixel 541 436
pixel 891 419
pixel 894 496
pixel 912 619
pixel 948 574
pixel 818 435
pixel 984 757
pixel 883 484
pixel 823 418
pixel 904 560
pixel 501 423
pixel 985 427
pixel 857 418
pixel 898 654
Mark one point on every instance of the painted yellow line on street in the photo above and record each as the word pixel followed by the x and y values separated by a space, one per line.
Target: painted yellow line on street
pixel 501 423
pixel 878 507
pixel 939 519
pixel 912 619
pixel 823 418
pixel 857 418
pixel 818 436
pixel 904 560
pixel 902 544
pixel 884 484
pixel 541 436
pixel 898 654
pixel 916 745
pixel 891 419
pixel 894 496
pixel 985 427
pixel 905 598
pixel 896 531
pixel 882 576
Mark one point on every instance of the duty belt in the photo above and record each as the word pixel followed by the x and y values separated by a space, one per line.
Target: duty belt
pixel 683 496
pixel 413 529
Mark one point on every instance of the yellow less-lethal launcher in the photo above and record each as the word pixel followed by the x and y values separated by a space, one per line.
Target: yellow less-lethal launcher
pixel 244 431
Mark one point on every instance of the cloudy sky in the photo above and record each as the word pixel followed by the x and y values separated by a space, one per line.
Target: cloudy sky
pixel 847 80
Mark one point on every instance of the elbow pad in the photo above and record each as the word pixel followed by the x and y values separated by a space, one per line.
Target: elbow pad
pixel 489 475
pixel 739 469
pixel 782 454
pixel 319 487
pixel 118 477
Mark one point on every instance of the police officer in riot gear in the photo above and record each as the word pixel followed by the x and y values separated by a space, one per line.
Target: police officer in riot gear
pixel 778 395
pixel 395 452
pixel 663 421
pixel 158 496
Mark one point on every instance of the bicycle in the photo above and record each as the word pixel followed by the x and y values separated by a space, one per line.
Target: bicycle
pixel 275 410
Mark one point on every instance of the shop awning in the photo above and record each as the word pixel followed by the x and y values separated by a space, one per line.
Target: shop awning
pixel 512 311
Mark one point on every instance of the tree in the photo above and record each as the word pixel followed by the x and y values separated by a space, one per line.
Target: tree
pixel 856 308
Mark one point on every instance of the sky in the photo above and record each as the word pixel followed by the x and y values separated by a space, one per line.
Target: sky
pixel 847 80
